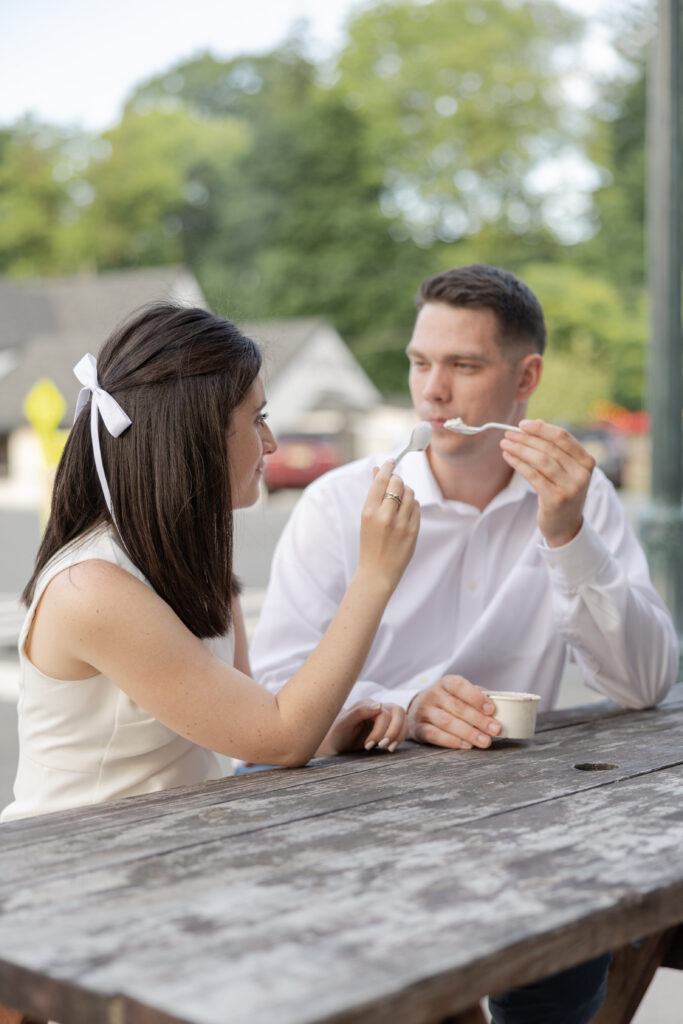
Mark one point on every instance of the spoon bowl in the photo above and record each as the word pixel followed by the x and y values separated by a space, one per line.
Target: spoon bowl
pixel 419 439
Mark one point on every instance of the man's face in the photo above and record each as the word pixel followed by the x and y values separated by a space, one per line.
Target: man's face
pixel 457 368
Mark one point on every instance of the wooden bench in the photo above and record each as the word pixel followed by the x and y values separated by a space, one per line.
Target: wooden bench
pixel 393 889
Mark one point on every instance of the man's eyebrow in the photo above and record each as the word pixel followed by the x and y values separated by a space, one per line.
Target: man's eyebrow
pixel 470 357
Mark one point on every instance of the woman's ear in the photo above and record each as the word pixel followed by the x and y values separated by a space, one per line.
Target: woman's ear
pixel 529 370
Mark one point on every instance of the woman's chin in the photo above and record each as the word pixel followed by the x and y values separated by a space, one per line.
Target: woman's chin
pixel 250 497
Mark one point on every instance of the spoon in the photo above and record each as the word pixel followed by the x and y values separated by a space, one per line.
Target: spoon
pixel 419 439
pixel 458 427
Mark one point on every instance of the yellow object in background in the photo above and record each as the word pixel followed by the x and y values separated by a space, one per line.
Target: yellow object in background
pixel 44 407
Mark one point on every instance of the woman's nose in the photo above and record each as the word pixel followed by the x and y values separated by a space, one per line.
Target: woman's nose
pixel 269 442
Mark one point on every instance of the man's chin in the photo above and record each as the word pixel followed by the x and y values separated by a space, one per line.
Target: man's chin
pixel 455 449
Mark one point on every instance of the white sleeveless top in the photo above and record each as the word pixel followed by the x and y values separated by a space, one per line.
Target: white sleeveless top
pixel 84 741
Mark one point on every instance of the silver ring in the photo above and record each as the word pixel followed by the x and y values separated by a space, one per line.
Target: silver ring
pixel 394 497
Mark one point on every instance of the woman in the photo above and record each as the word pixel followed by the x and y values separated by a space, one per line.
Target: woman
pixel 133 653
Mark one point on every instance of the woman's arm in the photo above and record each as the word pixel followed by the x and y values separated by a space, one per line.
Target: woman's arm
pixel 105 620
pixel 241 659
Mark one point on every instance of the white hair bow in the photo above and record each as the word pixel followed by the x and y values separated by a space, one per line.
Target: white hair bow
pixel 102 403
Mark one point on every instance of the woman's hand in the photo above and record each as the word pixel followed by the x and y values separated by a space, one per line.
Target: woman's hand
pixel 389 526
pixel 363 726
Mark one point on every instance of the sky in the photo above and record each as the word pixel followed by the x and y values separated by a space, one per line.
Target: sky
pixel 74 62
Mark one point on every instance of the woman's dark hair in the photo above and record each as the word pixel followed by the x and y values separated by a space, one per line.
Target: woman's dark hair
pixel 178 373
pixel 480 286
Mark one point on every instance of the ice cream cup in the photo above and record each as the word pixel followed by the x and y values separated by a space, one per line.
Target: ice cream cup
pixel 516 712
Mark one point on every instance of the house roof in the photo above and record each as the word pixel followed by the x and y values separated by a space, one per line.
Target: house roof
pixel 91 303
pixel 47 324
pixel 280 340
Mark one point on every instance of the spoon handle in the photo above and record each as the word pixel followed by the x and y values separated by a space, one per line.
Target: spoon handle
pixel 400 455
pixel 502 426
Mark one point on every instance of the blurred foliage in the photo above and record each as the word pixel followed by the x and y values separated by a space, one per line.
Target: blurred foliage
pixel 465 101
pixel 595 344
pixel 292 188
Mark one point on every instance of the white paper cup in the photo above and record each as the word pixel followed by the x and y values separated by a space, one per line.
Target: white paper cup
pixel 516 712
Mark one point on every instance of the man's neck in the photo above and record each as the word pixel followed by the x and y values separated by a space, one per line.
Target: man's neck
pixel 474 482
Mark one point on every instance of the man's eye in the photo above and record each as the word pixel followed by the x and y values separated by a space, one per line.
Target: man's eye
pixel 262 417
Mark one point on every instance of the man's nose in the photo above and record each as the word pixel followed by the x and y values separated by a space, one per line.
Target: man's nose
pixel 437 386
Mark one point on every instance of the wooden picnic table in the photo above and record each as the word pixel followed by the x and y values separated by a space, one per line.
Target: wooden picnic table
pixel 384 888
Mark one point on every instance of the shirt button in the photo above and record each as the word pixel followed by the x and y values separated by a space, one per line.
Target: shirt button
pixel 471 585
pixel 551 563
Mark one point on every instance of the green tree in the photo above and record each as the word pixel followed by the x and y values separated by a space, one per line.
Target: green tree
pixel 595 343
pixel 464 102
pixel 297 228
pixel 41 197
pixel 156 178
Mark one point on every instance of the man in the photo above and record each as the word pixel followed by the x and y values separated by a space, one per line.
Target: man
pixel 524 556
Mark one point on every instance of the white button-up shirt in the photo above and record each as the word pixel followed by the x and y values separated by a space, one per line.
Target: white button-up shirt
pixel 483 596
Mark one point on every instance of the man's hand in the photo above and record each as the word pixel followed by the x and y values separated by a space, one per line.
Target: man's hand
pixel 452 713
pixel 558 469
pixel 364 726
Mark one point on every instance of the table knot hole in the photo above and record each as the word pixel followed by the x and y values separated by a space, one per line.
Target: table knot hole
pixel 596 766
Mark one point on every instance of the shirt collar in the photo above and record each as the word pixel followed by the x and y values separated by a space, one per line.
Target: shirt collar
pixel 417 473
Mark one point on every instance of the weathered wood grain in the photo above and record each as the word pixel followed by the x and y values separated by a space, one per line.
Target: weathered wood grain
pixel 398 892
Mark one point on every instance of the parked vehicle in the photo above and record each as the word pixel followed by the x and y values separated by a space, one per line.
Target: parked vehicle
pixel 300 459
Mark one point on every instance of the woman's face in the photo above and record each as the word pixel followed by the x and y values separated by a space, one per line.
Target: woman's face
pixel 249 439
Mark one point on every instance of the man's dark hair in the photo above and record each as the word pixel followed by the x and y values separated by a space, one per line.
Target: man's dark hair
pixel 479 286
pixel 179 373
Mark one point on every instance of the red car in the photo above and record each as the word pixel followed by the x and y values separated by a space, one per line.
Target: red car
pixel 299 459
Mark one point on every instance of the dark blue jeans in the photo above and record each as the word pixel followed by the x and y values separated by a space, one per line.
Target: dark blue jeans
pixel 573 996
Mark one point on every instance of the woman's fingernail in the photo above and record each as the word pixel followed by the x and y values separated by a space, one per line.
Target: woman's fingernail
pixel 483 740
pixel 465 745
pixel 369 745
pixel 392 746
pixel 494 728
pixel 488 708
pixel 383 744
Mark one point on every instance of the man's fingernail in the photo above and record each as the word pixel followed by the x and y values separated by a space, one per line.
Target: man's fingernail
pixel 488 708
pixel 383 744
pixel 494 728
pixel 369 745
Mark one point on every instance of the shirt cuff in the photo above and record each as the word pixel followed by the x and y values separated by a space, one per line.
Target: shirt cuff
pixel 583 559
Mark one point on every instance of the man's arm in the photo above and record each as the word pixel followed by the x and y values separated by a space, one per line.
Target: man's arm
pixel 619 629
